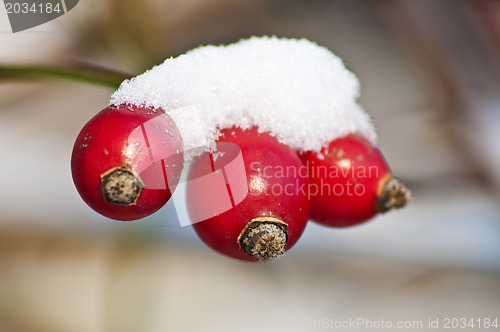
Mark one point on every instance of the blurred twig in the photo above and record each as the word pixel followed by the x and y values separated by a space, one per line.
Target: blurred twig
pixel 85 73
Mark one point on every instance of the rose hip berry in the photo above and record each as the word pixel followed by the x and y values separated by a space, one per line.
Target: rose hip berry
pixel 350 182
pixel 126 161
pixel 274 213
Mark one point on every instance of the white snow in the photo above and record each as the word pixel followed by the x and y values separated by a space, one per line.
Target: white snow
pixel 295 89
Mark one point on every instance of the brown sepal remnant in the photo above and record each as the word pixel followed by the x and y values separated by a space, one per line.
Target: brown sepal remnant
pixel 264 238
pixel 392 194
pixel 121 186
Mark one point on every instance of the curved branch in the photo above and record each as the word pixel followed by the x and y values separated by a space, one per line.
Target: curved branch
pixel 85 73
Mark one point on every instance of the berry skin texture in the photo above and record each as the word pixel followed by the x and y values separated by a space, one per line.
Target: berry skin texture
pixel 126 161
pixel 351 183
pixel 274 213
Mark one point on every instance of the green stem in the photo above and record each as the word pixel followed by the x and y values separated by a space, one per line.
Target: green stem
pixel 85 73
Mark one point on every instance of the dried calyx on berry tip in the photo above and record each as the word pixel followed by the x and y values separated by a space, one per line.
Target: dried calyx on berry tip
pixel 264 238
pixel 392 194
pixel 121 186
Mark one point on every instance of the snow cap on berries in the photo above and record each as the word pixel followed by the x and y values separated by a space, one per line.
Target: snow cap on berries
pixel 298 91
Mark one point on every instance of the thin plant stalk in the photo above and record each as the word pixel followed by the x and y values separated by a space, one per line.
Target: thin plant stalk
pixel 84 73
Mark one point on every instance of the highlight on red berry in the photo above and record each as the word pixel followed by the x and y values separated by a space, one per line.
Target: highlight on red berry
pixel 350 182
pixel 126 161
pixel 271 217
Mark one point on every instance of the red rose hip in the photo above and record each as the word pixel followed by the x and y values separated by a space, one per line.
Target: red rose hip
pixel 126 161
pixel 350 182
pixel 271 217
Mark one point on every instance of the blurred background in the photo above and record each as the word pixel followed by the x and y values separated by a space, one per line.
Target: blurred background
pixel 430 77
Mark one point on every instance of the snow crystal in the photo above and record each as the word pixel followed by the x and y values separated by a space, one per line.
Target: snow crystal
pixel 298 91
